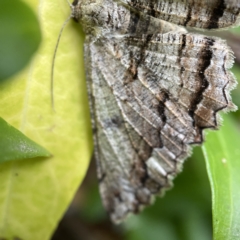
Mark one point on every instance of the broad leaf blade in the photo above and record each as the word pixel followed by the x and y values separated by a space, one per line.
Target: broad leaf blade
pixel 222 154
pixel 16 146
pixel 35 194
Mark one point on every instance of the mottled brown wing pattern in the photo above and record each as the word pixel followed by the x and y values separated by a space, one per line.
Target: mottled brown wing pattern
pixel 153 88
pixel 117 159
pixel 208 14
pixel 151 96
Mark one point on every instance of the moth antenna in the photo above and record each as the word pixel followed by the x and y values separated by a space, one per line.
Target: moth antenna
pixel 69 4
pixel 54 58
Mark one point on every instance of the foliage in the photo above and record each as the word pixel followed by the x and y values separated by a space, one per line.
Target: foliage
pixel 222 155
pixel 19 36
pixel 15 146
pixel 35 194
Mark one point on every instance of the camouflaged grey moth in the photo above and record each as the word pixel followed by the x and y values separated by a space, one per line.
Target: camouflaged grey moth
pixel 153 88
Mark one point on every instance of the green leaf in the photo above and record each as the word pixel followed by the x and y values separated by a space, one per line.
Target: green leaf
pixel 222 154
pixel 20 36
pixel 15 146
pixel 35 194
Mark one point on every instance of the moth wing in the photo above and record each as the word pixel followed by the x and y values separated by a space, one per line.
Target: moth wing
pixel 151 97
pixel 207 14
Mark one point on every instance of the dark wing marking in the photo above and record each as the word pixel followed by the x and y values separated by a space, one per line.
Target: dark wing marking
pixel 208 14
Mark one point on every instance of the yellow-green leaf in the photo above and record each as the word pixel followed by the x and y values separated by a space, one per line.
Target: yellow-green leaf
pixel 35 194
pixel 16 146
pixel 222 154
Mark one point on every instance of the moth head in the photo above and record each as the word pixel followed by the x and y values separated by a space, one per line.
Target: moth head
pixel 82 9
pixel 89 13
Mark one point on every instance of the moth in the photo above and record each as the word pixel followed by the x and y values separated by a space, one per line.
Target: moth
pixel 153 88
